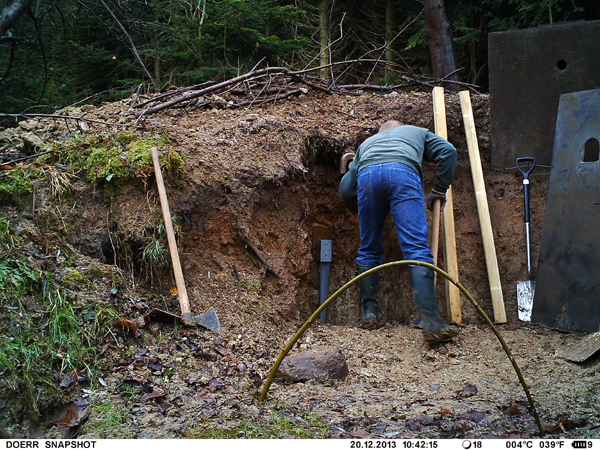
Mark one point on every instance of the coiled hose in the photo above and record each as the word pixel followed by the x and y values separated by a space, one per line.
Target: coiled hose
pixel 331 299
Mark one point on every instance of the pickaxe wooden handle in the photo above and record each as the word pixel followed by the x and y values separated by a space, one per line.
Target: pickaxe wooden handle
pixel 186 315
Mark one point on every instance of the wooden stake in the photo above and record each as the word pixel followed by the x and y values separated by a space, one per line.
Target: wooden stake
pixel 483 209
pixel 453 300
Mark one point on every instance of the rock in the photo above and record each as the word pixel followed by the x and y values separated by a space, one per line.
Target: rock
pixel 28 125
pixel 314 366
pixel 32 143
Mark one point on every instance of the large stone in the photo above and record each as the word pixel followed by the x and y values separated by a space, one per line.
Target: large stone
pixel 314 366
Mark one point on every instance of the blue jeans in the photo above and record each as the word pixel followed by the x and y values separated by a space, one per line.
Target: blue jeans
pixel 397 188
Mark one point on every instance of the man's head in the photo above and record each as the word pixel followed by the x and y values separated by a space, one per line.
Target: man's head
pixel 389 125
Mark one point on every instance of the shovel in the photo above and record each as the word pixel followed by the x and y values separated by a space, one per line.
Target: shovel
pixel 526 289
pixel 208 320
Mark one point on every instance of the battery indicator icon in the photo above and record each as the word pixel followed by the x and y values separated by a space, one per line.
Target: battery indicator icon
pixel 581 444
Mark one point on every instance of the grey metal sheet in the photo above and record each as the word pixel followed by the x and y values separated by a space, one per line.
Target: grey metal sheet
pixel 567 293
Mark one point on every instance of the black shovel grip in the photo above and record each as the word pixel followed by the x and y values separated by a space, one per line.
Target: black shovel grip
pixel 526 159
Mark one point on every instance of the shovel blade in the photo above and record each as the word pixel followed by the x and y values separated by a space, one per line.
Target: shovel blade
pixel 525 291
pixel 209 320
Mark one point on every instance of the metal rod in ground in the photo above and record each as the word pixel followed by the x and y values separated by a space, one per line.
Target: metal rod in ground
pixel 326 258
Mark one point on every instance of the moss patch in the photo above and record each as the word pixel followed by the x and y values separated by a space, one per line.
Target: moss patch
pixel 16 186
pixel 113 161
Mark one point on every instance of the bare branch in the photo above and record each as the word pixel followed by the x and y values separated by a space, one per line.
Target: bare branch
pixel 57 116
pixel 133 47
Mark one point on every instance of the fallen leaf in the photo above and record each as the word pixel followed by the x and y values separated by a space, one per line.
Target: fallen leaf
pixel 70 422
pixel 156 395
pixel 361 434
pixel 469 390
pixel 155 365
pixel 129 325
pixel 32 429
pixel 514 411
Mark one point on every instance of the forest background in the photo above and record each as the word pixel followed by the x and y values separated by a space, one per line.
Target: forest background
pixel 55 53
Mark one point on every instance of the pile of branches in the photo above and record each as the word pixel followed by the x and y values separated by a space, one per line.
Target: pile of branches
pixel 256 87
pixel 267 85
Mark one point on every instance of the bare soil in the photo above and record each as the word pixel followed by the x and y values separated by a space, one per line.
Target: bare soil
pixel 268 175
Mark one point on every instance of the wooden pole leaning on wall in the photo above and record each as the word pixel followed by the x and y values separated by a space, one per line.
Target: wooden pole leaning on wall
pixel 483 209
pixel 186 314
pixel 453 300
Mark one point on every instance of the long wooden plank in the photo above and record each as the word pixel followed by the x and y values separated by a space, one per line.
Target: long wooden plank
pixel 451 258
pixel 439 121
pixel 483 209
pixel 453 300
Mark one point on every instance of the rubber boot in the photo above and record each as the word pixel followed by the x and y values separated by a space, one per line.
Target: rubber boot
pixel 423 288
pixel 369 294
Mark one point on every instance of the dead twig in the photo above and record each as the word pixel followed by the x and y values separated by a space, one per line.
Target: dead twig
pixel 172 93
pixel 66 118
pixel 269 99
pixel 216 87
pixel 133 47
pixel 257 252
pixel 27 158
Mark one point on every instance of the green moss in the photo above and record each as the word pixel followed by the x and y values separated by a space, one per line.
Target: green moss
pixel 124 139
pixel 107 164
pixel 99 273
pixel 75 279
pixel 112 162
pixel 16 186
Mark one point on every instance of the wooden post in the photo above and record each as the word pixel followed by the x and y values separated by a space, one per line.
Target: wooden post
pixel 483 209
pixel 453 300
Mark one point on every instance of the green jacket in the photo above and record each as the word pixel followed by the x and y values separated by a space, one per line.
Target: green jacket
pixel 410 145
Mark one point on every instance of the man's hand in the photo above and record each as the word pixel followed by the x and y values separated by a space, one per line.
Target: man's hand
pixel 436 195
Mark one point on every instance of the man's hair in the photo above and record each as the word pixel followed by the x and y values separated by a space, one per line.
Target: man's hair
pixel 389 125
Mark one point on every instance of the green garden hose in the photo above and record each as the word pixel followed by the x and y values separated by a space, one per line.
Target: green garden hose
pixel 330 300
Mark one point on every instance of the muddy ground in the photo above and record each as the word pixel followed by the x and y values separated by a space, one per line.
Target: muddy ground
pixel 262 189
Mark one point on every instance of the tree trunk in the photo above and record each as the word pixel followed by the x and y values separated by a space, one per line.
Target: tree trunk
pixel 11 13
pixel 325 56
pixel 440 42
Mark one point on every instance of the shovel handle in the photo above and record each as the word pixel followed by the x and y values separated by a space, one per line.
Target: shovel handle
pixel 526 173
